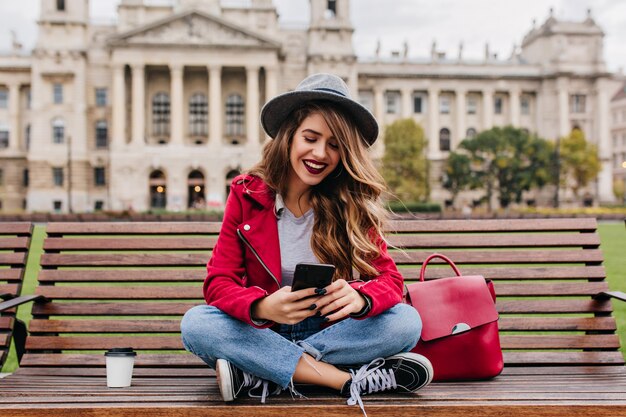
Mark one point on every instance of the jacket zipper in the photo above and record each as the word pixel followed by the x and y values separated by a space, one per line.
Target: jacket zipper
pixel 258 257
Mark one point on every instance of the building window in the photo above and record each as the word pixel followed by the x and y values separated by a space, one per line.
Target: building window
pixel 577 103
pixel 444 139
pixel 235 112
pixel 98 205
pixel 525 105
pixel 58 131
pixel 497 105
pixel 444 105
pixel 4 137
pixel 25 177
pixel 102 134
pixel 99 178
pixel 472 105
pixel 57 205
pixel 198 115
pixel 1 176
pixel 101 97
pixel 28 99
pixel 471 132
pixel 61 5
pixel 418 104
pixel 158 190
pixel 27 137
pixel 57 176
pixel 57 93
pixel 161 114
pixel 392 102
pixel 366 98
pixel 4 99
pixel 331 9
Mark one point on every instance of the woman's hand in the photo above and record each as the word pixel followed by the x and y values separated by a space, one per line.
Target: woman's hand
pixel 285 307
pixel 340 300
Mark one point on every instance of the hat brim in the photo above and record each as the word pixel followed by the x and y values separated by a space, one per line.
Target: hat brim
pixel 278 109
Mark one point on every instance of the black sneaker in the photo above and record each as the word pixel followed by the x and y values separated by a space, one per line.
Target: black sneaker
pixel 232 381
pixel 404 372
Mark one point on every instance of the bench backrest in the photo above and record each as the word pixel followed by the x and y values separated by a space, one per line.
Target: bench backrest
pixel 14 243
pixel 128 284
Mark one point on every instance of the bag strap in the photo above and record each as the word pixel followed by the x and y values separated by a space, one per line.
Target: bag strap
pixel 440 256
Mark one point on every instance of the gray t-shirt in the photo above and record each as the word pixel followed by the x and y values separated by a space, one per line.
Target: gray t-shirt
pixel 294 235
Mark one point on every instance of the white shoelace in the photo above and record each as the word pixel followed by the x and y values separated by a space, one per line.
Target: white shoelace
pixel 255 382
pixel 372 378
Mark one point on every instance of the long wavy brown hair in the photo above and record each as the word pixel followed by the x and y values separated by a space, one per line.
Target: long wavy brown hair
pixel 349 214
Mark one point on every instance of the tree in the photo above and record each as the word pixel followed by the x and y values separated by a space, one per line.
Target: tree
pixel 506 159
pixel 405 167
pixel 578 160
pixel 458 174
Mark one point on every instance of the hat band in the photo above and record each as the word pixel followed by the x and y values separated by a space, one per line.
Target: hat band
pixel 331 90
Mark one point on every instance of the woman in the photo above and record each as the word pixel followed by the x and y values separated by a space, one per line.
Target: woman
pixel 313 198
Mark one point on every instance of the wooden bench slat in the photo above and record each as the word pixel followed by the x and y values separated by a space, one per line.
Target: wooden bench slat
pixel 553 290
pixel 12 274
pixel 15 243
pixel 13 259
pixel 164 360
pixel 135 259
pixel 555 324
pixel 493 241
pixel 149 228
pixel 6 322
pixel 497 225
pixel 103 342
pixel 504 256
pixel 122 292
pixel 16 228
pixel 123 275
pixel 513 358
pixel 149 243
pixel 122 309
pixel 103 326
pixel 560 342
pixel 553 306
pixel 9 289
pixel 513 273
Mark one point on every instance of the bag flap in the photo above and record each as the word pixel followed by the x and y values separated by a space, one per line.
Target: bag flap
pixel 452 305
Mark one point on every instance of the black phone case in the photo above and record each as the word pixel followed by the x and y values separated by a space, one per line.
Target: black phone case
pixel 312 276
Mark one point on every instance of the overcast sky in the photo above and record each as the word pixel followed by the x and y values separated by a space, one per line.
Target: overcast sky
pixel 501 23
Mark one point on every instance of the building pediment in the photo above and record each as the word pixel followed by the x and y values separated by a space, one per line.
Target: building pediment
pixel 193 28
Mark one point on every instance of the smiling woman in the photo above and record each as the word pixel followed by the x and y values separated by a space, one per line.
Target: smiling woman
pixel 313 198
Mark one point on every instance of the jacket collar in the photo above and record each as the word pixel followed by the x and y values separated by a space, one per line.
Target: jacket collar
pixel 256 189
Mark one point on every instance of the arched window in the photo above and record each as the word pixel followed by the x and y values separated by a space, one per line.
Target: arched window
pixel 235 112
pixel 161 114
pixel 229 178
pixel 58 131
pixel 471 132
pixel 444 139
pixel 196 190
pixel 158 190
pixel 102 134
pixel 198 115
pixel 4 136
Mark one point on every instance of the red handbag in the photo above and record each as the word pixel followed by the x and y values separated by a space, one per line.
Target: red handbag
pixel 459 325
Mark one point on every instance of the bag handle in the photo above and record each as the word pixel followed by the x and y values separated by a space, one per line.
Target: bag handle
pixel 440 256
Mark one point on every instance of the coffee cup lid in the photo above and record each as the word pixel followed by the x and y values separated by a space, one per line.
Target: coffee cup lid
pixel 125 351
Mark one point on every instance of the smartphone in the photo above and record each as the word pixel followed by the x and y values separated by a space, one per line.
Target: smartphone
pixel 312 276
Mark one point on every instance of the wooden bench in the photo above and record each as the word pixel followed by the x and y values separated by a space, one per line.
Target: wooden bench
pixel 127 284
pixel 14 243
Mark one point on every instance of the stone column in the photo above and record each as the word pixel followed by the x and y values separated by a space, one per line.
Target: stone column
pixel 562 92
pixel 461 98
pixel 353 82
pixel 271 85
pixel 605 178
pixel 379 113
pixel 119 107
pixel 215 105
pixel 252 108
pixel 177 104
pixel 433 123
pixel 14 117
pixel 487 109
pixel 514 98
pixel 406 103
pixel 139 105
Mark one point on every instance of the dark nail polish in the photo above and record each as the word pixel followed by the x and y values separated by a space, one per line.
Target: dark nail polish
pixel 318 313
pixel 320 291
pixel 326 319
pixel 312 306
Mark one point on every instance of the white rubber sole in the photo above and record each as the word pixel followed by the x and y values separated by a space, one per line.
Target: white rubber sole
pixel 224 380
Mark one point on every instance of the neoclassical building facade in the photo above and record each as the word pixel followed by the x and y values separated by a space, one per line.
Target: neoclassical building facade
pixel 161 109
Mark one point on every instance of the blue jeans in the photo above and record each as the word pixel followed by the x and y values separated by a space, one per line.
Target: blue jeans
pixel 212 334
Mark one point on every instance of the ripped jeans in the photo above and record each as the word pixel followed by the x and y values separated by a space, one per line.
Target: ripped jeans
pixel 212 334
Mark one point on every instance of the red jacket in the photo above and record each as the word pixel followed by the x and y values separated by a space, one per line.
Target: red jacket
pixel 245 265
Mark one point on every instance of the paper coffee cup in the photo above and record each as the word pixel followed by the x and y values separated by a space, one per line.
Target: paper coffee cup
pixel 120 362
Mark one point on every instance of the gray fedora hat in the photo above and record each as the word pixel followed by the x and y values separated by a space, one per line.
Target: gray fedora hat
pixel 318 87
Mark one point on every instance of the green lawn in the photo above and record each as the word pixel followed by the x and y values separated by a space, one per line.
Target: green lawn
pixel 613 237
